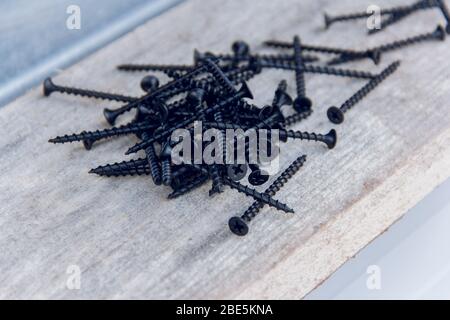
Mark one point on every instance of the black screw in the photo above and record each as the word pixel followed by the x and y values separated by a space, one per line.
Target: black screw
pixel 190 186
pixel 111 115
pixel 301 103
pixel 152 161
pixel 220 76
pixel 149 83
pixel 264 198
pixel 239 225
pixel 336 115
pixel 237 172
pixel 258 177
pixel 91 136
pixel 166 159
pixel 244 92
pixel 320 70
pixel 125 168
pixel 50 87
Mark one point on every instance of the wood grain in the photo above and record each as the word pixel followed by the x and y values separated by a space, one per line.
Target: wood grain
pixel 130 242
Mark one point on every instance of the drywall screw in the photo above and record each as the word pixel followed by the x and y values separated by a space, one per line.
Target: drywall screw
pixel 321 70
pixel 261 197
pixel 423 4
pixel 220 76
pixel 330 50
pixel 244 92
pixel 149 83
pixel 131 128
pixel 190 186
pixel 372 54
pixel 302 102
pixel 296 118
pixel 154 67
pixel 238 225
pixel 166 166
pixel 375 53
pixel 152 161
pixel 111 115
pixel 125 168
pixel 50 87
pixel 437 34
pixel 336 115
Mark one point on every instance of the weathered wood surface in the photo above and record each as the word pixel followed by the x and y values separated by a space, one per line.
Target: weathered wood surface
pixel 130 242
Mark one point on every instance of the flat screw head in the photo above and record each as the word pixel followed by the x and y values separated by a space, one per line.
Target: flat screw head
pixel 331 139
pixel 335 115
pixel 88 144
pixel 241 48
pixel 440 32
pixel 237 172
pixel 238 226
pixel 375 56
pixel 149 83
pixel 49 87
pixel 302 104
pixel 258 178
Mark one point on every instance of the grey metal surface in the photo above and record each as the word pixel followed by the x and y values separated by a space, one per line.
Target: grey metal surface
pixel 36 42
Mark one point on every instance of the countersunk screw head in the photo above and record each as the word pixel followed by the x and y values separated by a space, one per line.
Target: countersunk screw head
pixel 237 172
pixel 328 20
pixel 302 104
pixel 335 115
pixel 375 56
pixel 238 226
pixel 331 139
pixel 149 83
pixel 440 32
pixel 49 87
pixel 241 48
pixel 258 178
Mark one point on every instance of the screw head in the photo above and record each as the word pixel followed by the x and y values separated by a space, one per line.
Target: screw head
pixel 331 139
pixel 447 28
pixel 375 56
pixel 241 48
pixel 327 20
pixel 88 144
pixel 237 172
pixel 335 115
pixel 149 83
pixel 49 87
pixel 238 226
pixel 245 92
pixel 441 32
pixel 258 178
pixel 110 116
pixel 302 104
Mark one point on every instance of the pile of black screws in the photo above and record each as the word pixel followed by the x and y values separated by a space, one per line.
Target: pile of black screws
pixel 214 91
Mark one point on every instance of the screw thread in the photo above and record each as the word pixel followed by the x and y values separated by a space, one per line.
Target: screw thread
pixel 220 76
pixel 190 186
pixel 364 91
pixel 435 35
pixel 152 161
pixel 154 67
pixel 276 186
pixel 102 134
pixel 299 67
pixel 297 117
pixel 166 172
pixel 340 72
pixel 260 197
pixel 125 168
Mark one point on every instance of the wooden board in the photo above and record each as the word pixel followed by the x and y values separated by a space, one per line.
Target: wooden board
pixel 130 242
